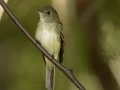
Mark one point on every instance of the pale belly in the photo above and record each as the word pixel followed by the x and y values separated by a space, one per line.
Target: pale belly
pixel 49 41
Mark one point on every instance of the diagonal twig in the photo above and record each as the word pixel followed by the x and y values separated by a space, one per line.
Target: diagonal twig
pixel 68 72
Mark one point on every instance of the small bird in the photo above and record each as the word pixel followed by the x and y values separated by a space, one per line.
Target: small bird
pixel 49 34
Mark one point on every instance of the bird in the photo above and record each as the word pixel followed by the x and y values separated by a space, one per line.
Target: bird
pixel 49 34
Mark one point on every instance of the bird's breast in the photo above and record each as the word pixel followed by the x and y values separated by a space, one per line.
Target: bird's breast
pixel 47 37
pixel 49 40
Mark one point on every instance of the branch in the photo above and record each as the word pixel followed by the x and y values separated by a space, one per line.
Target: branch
pixel 68 72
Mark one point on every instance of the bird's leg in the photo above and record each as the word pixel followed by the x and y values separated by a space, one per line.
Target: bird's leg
pixel 37 42
pixel 53 54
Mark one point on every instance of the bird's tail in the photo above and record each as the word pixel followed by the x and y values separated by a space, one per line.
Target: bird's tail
pixel 50 76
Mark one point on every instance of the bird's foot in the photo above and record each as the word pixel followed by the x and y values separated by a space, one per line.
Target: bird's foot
pixel 52 56
pixel 37 42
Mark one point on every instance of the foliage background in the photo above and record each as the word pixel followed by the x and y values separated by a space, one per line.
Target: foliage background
pixel 22 66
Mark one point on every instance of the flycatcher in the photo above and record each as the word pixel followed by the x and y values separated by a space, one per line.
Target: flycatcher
pixel 50 35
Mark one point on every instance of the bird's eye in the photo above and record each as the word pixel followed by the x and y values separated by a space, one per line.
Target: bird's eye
pixel 48 12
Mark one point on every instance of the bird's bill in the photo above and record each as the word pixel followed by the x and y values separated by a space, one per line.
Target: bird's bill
pixel 39 11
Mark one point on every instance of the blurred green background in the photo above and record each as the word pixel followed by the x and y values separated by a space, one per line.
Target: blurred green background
pixel 91 30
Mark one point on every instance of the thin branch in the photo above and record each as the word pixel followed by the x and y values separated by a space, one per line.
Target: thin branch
pixel 68 72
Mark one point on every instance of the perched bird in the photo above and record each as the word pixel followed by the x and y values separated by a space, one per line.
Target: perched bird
pixel 49 33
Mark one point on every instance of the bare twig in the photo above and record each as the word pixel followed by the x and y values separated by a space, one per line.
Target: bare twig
pixel 66 71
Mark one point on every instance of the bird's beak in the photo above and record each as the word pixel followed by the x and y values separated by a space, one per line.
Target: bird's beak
pixel 39 11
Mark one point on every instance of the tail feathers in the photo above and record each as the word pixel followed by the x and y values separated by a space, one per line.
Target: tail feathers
pixel 50 76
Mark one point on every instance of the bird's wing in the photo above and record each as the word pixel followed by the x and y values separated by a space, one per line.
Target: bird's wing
pixel 62 43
